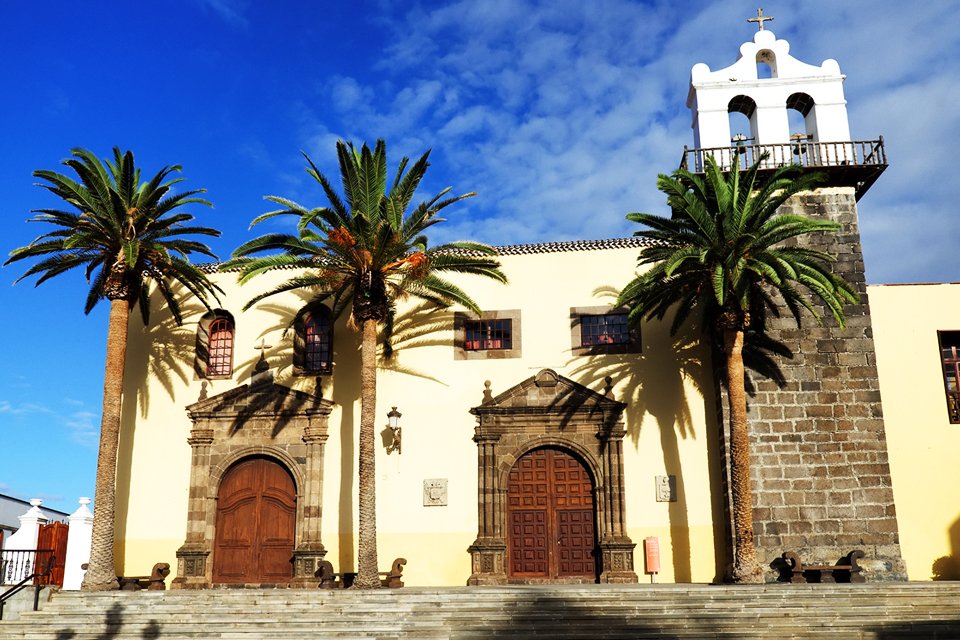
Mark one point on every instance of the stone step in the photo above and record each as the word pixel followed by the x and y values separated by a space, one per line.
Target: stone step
pixel 911 610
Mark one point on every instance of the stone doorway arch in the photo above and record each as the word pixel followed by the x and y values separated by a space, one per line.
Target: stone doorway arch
pixel 262 419
pixel 549 411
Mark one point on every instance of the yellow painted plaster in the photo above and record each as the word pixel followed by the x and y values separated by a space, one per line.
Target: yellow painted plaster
pixel 924 448
pixel 669 419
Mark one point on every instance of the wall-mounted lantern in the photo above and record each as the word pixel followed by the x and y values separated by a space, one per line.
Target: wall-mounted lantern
pixel 393 421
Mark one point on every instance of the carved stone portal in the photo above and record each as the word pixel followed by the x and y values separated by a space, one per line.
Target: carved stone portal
pixel 262 419
pixel 549 410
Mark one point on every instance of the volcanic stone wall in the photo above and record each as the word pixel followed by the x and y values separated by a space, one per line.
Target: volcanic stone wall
pixel 821 477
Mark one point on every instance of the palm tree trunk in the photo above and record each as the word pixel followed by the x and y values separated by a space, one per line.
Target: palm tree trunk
pixel 367 570
pixel 101 574
pixel 745 566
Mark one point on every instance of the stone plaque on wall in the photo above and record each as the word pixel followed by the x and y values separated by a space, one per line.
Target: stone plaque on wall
pixel 435 492
pixel 666 488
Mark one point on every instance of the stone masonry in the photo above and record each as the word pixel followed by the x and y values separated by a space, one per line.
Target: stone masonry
pixel 820 472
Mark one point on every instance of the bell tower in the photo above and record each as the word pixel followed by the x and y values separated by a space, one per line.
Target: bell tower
pixel 766 85
pixel 763 84
pixel 821 480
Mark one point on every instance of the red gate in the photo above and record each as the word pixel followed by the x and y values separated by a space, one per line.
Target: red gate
pixel 53 536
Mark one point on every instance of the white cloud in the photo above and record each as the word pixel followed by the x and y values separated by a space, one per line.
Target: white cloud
pixel 230 11
pixel 561 114
pixel 83 427
pixel 22 408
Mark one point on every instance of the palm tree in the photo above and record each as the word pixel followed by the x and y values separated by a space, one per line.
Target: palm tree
pixel 125 234
pixel 722 255
pixel 364 252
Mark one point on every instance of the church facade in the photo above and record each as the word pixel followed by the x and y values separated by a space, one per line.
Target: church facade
pixel 544 440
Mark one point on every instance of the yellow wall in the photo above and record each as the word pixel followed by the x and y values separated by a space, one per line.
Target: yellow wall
pixel 669 420
pixel 924 447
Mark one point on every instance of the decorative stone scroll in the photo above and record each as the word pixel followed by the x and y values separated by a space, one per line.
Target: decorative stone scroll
pixel 549 410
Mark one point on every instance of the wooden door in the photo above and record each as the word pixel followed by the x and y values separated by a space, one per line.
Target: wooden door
pixel 53 537
pixel 551 517
pixel 256 520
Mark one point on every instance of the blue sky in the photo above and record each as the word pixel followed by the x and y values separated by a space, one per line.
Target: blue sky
pixel 559 114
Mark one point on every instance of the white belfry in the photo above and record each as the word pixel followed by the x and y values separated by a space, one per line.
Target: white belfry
pixel 814 91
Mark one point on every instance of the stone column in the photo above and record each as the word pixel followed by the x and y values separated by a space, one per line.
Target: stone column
pixel 192 569
pixel 616 547
pixel 78 546
pixel 489 550
pixel 310 550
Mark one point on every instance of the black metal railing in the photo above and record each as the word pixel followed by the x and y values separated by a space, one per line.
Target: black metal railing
pixel 863 153
pixel 23 568
pixel 15 564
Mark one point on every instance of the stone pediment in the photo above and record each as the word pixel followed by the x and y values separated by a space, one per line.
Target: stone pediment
pixel 263 398
pixel 550 398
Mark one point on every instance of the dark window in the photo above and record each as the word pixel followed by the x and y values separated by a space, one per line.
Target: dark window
pixel 950 357
pixel 216 336
pixel 488 334
pixel 604 329
pixel 317 337
pixel 220 348
pixel 313 342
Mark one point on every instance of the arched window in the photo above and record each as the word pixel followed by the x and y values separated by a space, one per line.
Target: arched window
pixel 215 339
pixel 313 341
pixel 220 351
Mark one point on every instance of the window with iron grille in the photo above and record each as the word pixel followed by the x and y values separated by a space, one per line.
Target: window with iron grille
pixel 604 329
pixel 317 351
pixel 216 336
pixel 488 334
pixel 220 348
pixel 313 341
pixel 950 358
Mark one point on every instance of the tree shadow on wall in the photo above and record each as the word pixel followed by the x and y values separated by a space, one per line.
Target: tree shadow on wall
pixel 425 325
pixel 654 382
pixel 113 623
pixel 948 567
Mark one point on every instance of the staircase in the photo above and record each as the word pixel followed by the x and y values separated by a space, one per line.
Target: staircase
pixel 929 610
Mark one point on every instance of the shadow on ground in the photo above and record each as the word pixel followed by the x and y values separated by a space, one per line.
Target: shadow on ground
pixel 114 625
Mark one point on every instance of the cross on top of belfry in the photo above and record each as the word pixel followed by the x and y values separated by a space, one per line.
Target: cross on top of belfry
pixel 760 18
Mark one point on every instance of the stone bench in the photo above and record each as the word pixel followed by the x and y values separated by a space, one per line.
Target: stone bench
pixel 848 569
pixel 332 580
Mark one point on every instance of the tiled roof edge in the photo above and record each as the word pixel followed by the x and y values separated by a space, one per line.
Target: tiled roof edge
pixel 526 249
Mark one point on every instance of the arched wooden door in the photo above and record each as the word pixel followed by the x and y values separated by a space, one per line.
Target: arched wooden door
pixel 551 517
pixel 256 521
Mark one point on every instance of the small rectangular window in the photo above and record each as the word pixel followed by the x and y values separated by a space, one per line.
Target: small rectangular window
pixel 950 359
pixel 488 334
pixel 604 329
